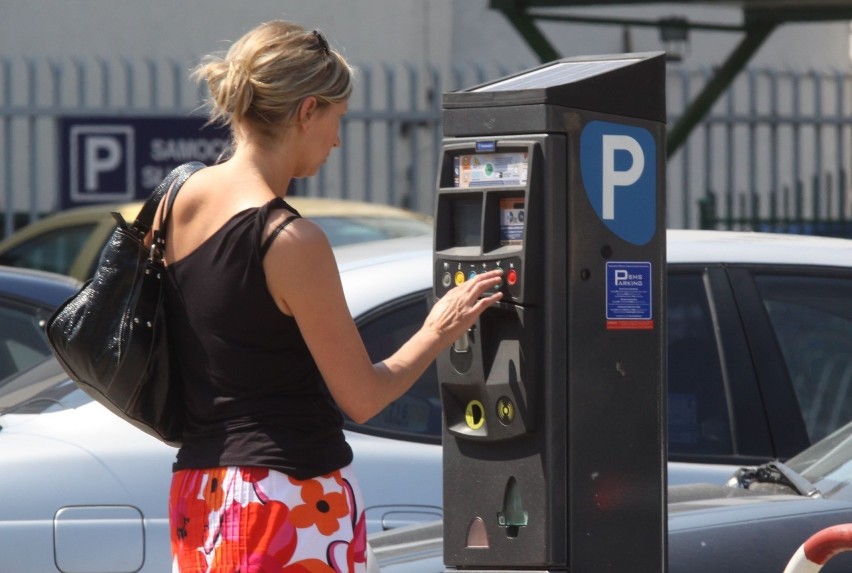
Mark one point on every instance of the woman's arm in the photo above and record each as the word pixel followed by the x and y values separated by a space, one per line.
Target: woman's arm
pixel 303 278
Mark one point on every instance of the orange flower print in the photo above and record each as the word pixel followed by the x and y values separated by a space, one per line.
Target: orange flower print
pixel 189 527
pixel 261 526
pixel 320 509
pixel 338 477
pixel 308 566
pixel 214 488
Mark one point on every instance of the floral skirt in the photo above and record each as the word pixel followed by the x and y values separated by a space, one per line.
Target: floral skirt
pixel 257 520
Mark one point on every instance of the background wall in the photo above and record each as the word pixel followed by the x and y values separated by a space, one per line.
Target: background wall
pixel 436 31
pixel 410 51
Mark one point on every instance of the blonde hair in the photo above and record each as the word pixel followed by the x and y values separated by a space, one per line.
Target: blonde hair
pixel 266 74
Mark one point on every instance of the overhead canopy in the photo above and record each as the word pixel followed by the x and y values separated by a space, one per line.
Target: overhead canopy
pixel 760 18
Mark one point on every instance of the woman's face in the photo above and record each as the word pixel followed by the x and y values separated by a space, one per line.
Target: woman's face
pixel 323 134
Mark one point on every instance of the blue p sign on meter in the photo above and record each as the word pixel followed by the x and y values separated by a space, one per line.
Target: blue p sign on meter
pixel 618 164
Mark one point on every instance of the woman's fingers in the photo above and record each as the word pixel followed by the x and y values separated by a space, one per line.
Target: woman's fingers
pixel 460 307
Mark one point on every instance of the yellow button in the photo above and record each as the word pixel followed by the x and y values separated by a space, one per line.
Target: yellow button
pixel 474 415
pixel 459 277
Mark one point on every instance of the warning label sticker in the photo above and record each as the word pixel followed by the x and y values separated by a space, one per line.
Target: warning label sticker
pixel 628 296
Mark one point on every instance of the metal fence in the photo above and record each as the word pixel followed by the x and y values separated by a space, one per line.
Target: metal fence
pixel 773 154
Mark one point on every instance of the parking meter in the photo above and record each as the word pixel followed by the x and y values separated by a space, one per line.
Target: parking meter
pixel 554 412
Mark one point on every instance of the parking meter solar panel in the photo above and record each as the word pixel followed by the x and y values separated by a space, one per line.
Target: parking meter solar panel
pixel 619 84
pixel 556 74
pixel 554 454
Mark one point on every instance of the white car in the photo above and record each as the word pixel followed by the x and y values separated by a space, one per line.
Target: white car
pixel 760 366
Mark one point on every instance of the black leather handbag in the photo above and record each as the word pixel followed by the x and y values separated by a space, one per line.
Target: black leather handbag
pixel 111 336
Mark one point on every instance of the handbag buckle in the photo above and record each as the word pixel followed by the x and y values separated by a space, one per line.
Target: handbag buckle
pixel 156 252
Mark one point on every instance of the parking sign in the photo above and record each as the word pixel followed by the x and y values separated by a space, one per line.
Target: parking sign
pixel 124 158
pixel 101 163
pixel 618 164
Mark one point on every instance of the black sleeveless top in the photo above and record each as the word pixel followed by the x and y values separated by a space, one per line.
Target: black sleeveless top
pixel 254 394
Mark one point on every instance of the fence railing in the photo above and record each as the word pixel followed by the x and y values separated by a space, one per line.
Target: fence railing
pixel 773 154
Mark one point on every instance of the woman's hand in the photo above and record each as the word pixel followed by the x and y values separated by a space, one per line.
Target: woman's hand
pixel 458 310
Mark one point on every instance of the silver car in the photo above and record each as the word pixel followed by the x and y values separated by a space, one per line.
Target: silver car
pixel 84 491
pixel 760 348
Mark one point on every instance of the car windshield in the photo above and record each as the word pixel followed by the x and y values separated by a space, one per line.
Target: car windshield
pixel 828 464
pixel 43 388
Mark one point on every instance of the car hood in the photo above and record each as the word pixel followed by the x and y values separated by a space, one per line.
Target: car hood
pixel 746 531
pixel 708 505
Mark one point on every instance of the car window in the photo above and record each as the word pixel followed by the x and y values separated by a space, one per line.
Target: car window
pixel 812 319
pixel 22 341
pixel 34 394
pixel 416 416
pixel 698 418
pixel 53 251
pixel 699 422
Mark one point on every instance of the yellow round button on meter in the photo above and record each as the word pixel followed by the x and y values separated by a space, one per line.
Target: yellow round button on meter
pixel 459 278
pixel 474 415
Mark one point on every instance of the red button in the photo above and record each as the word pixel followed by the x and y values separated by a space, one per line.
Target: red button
pixel 512 277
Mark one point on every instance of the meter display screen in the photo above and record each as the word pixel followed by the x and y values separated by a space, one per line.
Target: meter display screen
pixel 512 217
pixel 467 215
pixel 491 169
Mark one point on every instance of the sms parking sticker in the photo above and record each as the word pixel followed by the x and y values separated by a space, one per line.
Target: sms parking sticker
pixel 628 296
pixel 618 164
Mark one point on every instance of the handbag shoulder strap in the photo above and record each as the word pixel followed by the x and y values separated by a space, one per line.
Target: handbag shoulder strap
pixel 171 184
pixel 175 179
pixel 181 174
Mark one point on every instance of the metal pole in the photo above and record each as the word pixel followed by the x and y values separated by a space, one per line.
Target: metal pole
pixel 755 36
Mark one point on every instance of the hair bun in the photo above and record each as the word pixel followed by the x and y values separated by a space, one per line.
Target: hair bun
pixel 238 87
pixel 268 73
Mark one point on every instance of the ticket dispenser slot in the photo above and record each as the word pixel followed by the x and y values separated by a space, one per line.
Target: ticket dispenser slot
pixel 553 402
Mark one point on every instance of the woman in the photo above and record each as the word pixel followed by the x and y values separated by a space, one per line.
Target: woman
pixel 268 351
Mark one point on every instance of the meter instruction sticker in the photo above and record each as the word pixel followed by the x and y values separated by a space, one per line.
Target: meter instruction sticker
pixel 491 169
pixel 512 217
pixel 628 296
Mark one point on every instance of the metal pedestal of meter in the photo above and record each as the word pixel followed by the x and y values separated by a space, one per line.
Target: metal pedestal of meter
pixel 554 412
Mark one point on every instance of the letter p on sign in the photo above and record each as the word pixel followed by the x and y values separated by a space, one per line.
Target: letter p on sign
pixel 612 177
pixel 102 163
pixel 102 154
